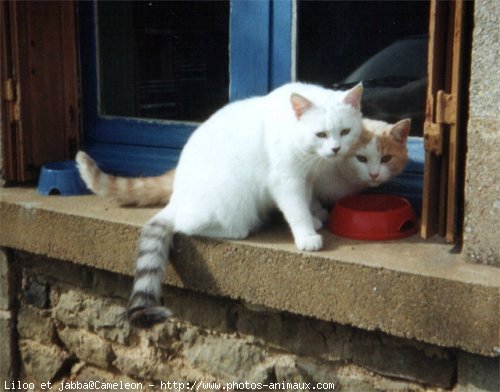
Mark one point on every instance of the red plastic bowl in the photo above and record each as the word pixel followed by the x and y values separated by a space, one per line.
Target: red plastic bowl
pixel 373 217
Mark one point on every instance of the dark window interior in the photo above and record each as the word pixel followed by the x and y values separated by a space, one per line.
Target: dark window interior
pixel 382 43
pixel 163 59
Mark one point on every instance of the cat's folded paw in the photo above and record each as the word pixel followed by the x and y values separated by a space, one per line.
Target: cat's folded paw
pixel 318 224
pixel 322 214
pixel 309 243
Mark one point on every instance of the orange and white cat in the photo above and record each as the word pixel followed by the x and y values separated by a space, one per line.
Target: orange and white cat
pixel 379 155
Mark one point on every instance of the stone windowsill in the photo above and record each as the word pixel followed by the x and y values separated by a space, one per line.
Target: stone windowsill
pixel 408 288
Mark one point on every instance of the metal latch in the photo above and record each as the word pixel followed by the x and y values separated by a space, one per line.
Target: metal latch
pixel 433 137
pixel 9 90
pixel 445 113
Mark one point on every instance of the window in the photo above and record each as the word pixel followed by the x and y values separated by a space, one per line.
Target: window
pixel 136 67
pixel 272 42
pixel 151 70
pixel 341 43
pixel 163 60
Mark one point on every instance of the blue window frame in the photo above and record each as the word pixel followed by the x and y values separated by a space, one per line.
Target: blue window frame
pixel 260 52
pixel 261 59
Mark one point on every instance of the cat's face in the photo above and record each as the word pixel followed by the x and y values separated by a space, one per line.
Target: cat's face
pixel 329 127
pixel 380 152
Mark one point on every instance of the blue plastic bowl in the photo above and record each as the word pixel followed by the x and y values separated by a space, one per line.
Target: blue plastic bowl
pixel 61 178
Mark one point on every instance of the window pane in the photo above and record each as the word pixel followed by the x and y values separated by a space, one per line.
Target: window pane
pixel 163 59
pixel 382 43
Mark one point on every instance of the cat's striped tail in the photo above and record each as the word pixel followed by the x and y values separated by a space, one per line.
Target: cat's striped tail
pixel 144 308
pixel 139 191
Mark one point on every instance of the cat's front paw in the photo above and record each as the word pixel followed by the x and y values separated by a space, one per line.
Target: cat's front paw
pixel 309 243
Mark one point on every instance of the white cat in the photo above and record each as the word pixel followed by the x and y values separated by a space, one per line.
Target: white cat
pixel 248 158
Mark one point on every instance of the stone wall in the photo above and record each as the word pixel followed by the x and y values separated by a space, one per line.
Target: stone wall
pixel 71 327
pixel 2 174
pixel 482 201
pixel 8 335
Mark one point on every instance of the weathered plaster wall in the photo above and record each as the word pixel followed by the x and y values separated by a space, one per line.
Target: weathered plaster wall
pixel 71 326
pixel 482 188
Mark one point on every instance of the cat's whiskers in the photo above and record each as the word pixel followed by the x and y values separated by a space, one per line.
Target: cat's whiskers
pixel 307 161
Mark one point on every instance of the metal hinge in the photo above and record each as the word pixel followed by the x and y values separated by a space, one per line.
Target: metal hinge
pixel 445 113
pixel 10 95
pixel 9 90
pixel 16 111
pixel 446 108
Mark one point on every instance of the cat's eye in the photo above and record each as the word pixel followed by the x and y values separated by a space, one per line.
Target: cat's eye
pixel 386 158
pixel 322 135
pixel 345 131
pixel 361 158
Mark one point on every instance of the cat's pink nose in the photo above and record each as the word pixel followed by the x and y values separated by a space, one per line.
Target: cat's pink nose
pixel 373 175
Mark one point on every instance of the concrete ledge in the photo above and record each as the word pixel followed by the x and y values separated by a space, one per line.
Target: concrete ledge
pixel 408 288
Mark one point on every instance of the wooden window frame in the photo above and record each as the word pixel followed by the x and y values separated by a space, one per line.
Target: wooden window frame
pixel 445 132
pixel 39 85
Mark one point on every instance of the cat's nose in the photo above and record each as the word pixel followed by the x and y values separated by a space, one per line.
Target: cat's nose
pixel 373 175
pixel 336 150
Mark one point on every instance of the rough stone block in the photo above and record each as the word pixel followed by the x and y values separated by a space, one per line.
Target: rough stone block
pixel 143 361
pixel 54 269
pixel 36 291
pixel 70 309
pixel 230 358
pixel 344 377
pixel 354 378
pixel 76 308
pixel 6 281
pixel 482 205
pixel 298 335
pixel 87 346
pixel 110 284
pixel 35 324
pixel 287 370
pixel 203 310
pixel 477 373
pixel 40 362
pixel 8 357
pixel 484 81
pixel 396 358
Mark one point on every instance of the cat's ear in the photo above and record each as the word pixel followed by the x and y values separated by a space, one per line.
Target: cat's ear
pixel 353 96
pixel 300 104
pixel 401 130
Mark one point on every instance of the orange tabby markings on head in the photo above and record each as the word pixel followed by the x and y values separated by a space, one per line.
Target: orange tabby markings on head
pixel 379 154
